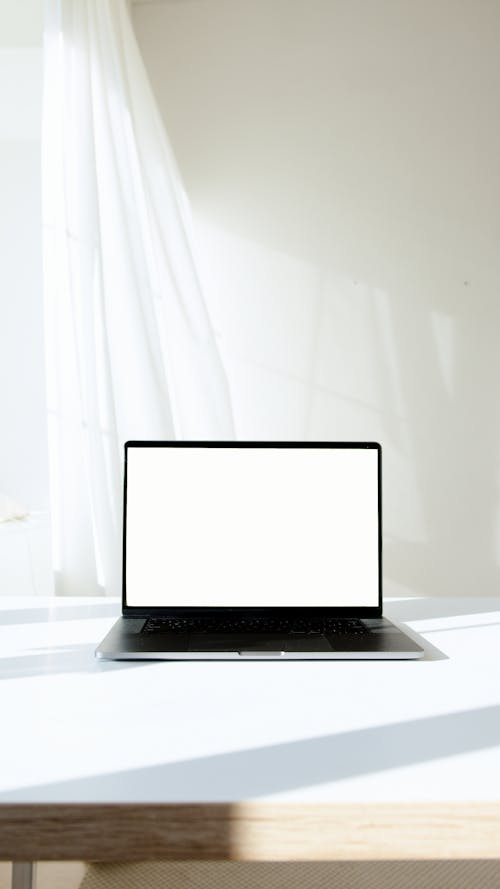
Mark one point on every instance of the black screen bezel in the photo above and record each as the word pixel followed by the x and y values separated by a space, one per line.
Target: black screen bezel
pixel 313 611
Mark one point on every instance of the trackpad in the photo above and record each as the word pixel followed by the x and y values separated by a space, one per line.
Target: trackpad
pixel 235 642
pixel 258 642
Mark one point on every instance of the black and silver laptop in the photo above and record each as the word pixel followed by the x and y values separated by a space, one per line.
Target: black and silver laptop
pixel 263 550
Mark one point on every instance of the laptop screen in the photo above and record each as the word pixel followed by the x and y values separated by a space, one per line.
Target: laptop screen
pixel 252 525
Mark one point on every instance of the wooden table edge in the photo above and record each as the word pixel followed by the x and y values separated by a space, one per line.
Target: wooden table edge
pixel 249 831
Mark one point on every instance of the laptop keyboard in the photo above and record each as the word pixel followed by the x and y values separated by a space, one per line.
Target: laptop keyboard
pixel 227 624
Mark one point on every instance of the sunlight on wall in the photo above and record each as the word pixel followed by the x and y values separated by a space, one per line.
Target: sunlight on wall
pixel 276 325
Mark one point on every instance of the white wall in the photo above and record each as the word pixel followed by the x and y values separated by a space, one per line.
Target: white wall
pixel 342 162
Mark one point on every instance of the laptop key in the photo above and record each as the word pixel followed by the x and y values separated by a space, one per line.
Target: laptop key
pixel 323 626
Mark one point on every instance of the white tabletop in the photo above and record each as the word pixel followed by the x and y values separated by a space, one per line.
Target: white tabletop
pixel 80 730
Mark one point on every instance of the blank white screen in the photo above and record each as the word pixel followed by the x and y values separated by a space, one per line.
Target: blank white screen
pixel 255 527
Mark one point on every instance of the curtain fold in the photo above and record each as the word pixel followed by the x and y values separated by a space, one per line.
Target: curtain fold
pixel 130 347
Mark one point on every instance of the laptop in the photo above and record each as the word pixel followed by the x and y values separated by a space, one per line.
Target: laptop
pixel 253 550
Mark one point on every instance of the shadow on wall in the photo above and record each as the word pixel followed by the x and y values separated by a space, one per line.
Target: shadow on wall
pixel 447 373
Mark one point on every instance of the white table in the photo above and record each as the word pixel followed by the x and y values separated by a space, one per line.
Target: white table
pixel 253 760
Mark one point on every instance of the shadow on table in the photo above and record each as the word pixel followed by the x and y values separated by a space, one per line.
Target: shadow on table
pixel 278 768
pixel 59 659
pixel 79 658
pixel 427 609
pixel 91 611
pixel 432 653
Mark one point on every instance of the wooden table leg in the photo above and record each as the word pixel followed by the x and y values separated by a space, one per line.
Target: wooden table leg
pixel 23 875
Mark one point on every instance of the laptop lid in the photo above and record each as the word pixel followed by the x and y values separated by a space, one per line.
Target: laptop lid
pixel 252 527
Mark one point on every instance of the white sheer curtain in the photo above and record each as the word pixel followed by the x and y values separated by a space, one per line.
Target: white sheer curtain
pixel 130 348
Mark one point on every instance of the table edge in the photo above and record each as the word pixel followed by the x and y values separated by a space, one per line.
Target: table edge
pixel 249 831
